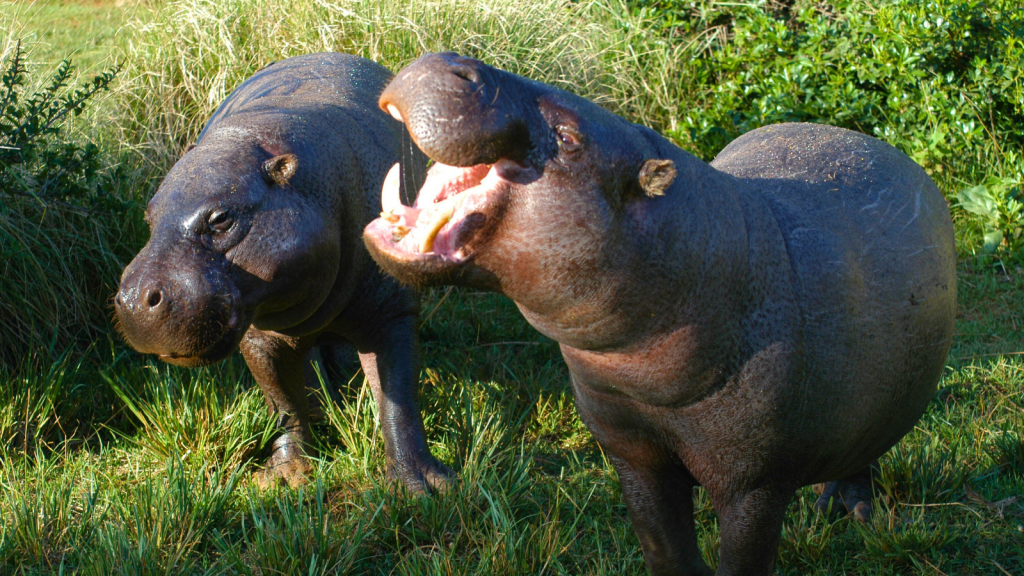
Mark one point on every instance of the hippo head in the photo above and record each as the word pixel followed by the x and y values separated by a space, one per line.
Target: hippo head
pixel 234 242
pixel 529 182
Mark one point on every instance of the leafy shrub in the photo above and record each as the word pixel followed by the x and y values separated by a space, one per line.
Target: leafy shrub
pixel 942 80
pixel 929 77
pixel 997 203
pixel 37 159
pixel 62 233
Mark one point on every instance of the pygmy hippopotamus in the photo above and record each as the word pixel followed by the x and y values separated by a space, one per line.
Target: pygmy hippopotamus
pixel 255 242
pixel 777 318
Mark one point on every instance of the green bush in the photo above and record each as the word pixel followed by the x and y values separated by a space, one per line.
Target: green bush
pixel 37 159
pixel 942 80
pixel 62 225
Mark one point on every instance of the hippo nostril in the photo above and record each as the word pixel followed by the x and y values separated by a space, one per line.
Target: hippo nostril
pixel 154 298
pixel 118 301
pixel 466 73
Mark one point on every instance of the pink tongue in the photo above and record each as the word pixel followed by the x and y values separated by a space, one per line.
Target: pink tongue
pixel 444 181
pixel 407 216
pixel 435 204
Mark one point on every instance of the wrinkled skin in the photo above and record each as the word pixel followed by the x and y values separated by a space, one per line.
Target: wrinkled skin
pixel 255 244
pixel 775 319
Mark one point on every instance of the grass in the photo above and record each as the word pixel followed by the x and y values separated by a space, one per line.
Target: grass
pixel 60 260
pixel 111 463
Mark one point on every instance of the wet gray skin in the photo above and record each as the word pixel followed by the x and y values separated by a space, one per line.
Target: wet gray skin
pixel 775 319
pixel 255 243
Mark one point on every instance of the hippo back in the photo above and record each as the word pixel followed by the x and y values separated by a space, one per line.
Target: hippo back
pixel 871 245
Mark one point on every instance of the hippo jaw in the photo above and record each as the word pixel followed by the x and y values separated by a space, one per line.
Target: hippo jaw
pixel 184 317
pixel 483 156
pixel 455 211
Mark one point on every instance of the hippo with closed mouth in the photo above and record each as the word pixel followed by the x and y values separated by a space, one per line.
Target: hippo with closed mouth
pixel 776 318
pixel 255 243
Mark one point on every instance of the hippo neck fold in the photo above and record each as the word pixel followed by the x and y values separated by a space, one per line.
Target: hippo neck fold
pixel 690 245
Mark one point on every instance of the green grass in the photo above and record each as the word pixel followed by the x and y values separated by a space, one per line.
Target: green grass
pixel 84 30
pixel 111 463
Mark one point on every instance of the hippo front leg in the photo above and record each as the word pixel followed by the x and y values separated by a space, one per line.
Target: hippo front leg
pixel 390 360
pixel 656 486
pixel 751 529
pixel 660 504
pixel 277 365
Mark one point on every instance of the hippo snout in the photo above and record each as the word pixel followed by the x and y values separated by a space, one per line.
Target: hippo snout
pixel 482 121
pixel 141 300
pixel 186 315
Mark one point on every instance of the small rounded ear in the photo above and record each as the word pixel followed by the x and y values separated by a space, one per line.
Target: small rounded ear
pixel 656 176
pixel 280 169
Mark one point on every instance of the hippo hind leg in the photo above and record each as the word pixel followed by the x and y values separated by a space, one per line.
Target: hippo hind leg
pixel 851 494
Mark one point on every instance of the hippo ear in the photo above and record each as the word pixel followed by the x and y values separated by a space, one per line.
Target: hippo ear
pixel 656 176
pixel 280 169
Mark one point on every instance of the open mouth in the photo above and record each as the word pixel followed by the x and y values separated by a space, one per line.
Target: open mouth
pixel 452 207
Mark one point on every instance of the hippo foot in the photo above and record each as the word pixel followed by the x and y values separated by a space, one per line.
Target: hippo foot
pixel 851 494
pixel 287 464
pixel 422 475
pixel 293 472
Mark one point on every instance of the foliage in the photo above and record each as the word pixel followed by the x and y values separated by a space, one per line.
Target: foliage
pixel 61 239
pixel 932 78
pixel 37 158
pixel 997 203
pixel 941 80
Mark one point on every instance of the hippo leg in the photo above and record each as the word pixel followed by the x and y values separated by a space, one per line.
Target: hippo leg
pixel 852 493
pixel 751 529
pixel 660 504
pixel 657 488
pixel 277 366
pixel 391 363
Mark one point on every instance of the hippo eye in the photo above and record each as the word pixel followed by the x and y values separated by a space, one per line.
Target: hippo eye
pixel 569 140
pixel 220 220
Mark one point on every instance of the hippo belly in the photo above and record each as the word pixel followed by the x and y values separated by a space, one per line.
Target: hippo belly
pixel 871 248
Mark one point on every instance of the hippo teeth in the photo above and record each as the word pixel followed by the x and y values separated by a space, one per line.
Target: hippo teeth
pixel 438 205
pixel 439 214
pixel 391 194
pixel 393 110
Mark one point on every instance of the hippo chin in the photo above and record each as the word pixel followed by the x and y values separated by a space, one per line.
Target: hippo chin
pixel 255 243
pixel 775 319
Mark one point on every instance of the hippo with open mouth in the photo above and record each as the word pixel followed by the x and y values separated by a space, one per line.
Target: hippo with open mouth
pixel 255 243
pixel 778 318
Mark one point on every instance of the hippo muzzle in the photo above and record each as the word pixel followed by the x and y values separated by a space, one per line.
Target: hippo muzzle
pixel 462 95
pixel 483 141
pixel 185 311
